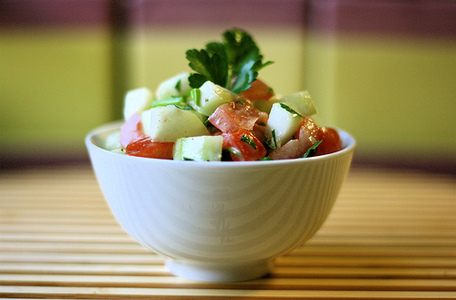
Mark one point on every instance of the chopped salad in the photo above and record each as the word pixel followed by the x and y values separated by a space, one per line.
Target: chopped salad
pixel 221 111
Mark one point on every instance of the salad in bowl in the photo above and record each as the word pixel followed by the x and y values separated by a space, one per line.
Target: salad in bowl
pixel 221 111
pixel 217 173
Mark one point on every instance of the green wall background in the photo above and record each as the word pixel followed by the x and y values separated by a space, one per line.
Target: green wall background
pixel 55 85
pixel 396 95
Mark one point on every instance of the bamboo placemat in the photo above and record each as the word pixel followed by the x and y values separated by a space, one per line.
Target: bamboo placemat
pixel 391 235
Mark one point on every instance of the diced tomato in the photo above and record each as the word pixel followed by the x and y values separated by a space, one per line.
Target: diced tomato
pixel 331 141
pixel 304 138
pixel 148 148
pixel 243 146
pixel 308 130
pixel 292 149
pixel 131 130
pixel 241 114
pixel 258 91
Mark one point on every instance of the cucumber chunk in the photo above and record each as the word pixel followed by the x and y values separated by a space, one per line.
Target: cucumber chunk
pixel 301 102
pixel 211 97
pixel 282 124
pixel 136 101
pixel 169 123
pixel 174 86
pixel 112 141
pixel 199 148
pixel 266 105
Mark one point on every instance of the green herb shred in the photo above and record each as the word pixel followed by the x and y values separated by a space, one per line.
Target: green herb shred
pixel 290 110
pixel 311 151
pixel 234 151
pixel 178 85
pixel 248 139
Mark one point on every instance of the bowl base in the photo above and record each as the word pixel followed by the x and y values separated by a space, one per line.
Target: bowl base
pixel 217 272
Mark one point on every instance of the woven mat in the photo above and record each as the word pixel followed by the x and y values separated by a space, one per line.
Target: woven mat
pixel 391 235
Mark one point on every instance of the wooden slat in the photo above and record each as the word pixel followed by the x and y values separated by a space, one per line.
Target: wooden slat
pixel 311 250
pixel 279 272
pixel 288 261
pixel 264 283
pixel 172 293
pixel 391 235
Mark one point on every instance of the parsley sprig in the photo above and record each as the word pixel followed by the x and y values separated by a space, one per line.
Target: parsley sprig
pixel 236 58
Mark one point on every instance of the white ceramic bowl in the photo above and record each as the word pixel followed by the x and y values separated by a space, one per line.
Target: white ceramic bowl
pixel 219 221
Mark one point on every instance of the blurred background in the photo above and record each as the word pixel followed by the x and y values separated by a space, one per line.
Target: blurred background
pixel 383 70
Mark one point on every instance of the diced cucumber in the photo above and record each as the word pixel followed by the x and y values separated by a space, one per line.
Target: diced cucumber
pixel 174 100
pixel 211 97
pixel 202 117
pixel 184 101
pixel 199 148
pixel 136 101
pixel 282 124
pixel 266 105
pixel 301 102
pixel 112 141
pixel 174 86
pixel 169 123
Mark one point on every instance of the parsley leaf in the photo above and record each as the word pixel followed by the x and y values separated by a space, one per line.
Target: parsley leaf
pixel 208 65
pixel 244 59
pixel 236 58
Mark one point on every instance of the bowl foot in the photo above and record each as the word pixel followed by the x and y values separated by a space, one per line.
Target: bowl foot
pixel 217 272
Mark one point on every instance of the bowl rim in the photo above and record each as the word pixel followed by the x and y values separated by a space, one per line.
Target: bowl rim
pixel 347 140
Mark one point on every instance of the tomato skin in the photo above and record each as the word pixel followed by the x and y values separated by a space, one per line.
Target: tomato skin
pixel 331 141
pixel 305 137
pixel 148 148
pixel 237 143
pixel 241 114
pixel 258 91
pixel 308 130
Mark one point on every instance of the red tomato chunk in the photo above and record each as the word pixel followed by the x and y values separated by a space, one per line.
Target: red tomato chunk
pixel 258 91
pixel 148 148
pixel 305 137
pixel 243 146
pixel 331 141
pixel 236 115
